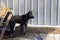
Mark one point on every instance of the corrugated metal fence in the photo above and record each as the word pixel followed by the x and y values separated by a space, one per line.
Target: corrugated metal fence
pixel 46 12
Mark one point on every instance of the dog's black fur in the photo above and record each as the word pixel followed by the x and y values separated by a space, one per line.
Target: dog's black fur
pixel 22 20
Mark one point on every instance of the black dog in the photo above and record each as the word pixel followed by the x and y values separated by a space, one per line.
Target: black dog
pixel 22 20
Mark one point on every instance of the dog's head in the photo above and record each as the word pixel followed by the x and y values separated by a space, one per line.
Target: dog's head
pixel 30 15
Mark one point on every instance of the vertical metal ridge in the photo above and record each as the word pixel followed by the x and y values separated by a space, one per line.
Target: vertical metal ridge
pixel 24 6
pixel 37 12
pixel 32 9
pixel 50 11
pixel 7 3
pixel 18 7
pixel 57 14
pixel 30 4
pixel 43 10
pixel 13 6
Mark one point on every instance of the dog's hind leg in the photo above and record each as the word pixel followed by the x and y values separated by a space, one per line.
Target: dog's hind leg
pixel 21 29
pixel 12 24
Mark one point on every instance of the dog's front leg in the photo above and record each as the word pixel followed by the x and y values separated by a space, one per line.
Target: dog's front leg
pixel 25 28
pixel 21 29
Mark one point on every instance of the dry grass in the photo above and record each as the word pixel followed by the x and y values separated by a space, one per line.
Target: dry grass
pixel 45 30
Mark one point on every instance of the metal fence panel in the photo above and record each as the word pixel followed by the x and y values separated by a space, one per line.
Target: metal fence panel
pixel 46 12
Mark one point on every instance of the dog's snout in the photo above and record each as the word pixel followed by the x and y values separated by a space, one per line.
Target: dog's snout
pixel 33 17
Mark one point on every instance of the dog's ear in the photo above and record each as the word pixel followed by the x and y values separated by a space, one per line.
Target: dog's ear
pixel 29 12
pixel 30 15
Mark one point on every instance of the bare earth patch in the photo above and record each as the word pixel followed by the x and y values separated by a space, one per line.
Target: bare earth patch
pixel 39 33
